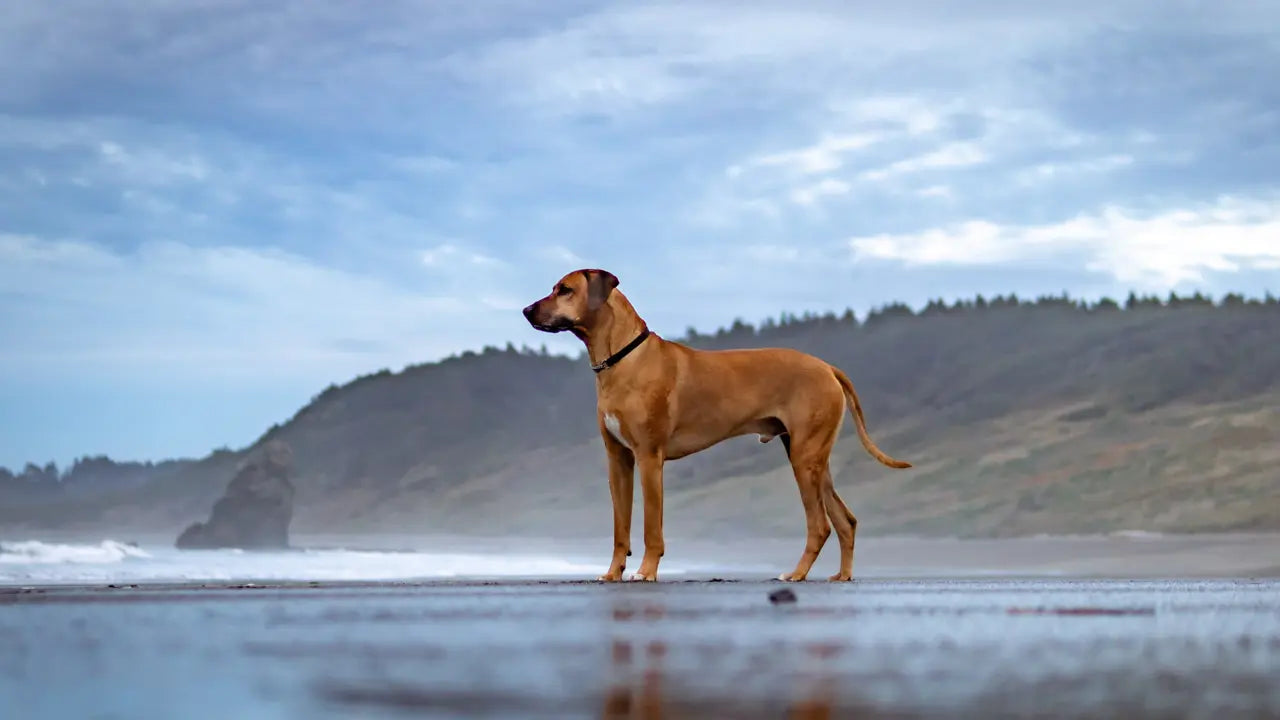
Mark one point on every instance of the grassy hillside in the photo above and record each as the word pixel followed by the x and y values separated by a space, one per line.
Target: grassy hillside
pixel 1021 418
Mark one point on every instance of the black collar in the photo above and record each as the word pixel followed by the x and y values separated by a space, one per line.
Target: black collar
pixel 616 358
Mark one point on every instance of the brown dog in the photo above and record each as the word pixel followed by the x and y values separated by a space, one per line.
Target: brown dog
pixel 659 400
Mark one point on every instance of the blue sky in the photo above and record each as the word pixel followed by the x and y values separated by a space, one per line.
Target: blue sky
pixel 210 210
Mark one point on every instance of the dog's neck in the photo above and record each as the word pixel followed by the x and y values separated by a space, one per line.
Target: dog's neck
pixel 617 324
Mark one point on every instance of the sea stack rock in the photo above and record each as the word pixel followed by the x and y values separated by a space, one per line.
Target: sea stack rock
pixel 255 510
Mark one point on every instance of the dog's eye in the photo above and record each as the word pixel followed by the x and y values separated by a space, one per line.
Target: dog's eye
pixel 564 290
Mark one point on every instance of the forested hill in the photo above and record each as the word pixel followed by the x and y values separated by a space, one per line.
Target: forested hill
pixel 1045 416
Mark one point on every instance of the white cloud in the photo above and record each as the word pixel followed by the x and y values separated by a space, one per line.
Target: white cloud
pixel 827 187
pixel 950 156
pixel 628 57
pixel 914 114
pixel 1046 172
pixel 26 251
pixel 936 191
pixel 812 175
pixel 722 209
pixel 448 256
pixel 635 56
pixel 150 166
pixel 562 255
pixel 170 309
pixel 911 146
pixel 872 121
pixel 1165 249
pixel 821 157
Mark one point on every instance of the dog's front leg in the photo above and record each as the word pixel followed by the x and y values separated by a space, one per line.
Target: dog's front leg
pixel 622 491
pixel 650 466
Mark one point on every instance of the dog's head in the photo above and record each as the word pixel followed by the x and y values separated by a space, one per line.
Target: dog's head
pixel 573 302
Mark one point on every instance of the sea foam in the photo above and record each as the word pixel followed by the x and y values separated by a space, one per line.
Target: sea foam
pixel 34 563
pixel 34 552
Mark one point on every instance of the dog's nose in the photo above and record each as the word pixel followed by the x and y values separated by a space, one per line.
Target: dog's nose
pixel 528 312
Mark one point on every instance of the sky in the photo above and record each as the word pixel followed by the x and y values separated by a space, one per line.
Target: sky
pixel 212 209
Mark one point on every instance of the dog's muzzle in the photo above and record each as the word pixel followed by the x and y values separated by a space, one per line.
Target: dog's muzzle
pixel 557 325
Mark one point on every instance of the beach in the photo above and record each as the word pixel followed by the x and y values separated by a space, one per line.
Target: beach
pixel 678 649
pixel 698 644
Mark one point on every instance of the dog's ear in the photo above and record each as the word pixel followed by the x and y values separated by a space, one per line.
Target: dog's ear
pixel 599 284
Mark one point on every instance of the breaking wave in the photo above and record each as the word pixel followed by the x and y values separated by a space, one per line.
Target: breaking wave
pixel 110 561
pixel 34 552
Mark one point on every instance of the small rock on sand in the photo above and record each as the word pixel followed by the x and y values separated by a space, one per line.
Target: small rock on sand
pixel 785 595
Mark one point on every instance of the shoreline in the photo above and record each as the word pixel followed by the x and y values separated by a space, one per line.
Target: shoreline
pixel 354 561
pixel 1114 555
pixel 517 563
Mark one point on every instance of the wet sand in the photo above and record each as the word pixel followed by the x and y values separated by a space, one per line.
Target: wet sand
pixel 1115 555
pixel 697 648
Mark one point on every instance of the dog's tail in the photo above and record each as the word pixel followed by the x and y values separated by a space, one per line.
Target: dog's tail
pixel 851 398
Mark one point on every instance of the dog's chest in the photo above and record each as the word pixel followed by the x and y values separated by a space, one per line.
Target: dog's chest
pixel 614 426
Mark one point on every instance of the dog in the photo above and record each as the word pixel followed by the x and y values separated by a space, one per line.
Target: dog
pixel 658 400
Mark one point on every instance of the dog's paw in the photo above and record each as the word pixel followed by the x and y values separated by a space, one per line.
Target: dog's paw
pixel 791 577
pixel 840 577
pixel 640 577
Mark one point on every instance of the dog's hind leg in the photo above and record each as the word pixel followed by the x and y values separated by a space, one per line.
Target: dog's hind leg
pixel 809 459
pixel 846 526
pixel 813 423
pixel 817 529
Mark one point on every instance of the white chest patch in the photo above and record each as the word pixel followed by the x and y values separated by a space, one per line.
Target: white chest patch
pixel 615 429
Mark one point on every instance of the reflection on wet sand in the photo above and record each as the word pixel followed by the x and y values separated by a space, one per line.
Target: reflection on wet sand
pixel 877 649
pixel 637 673
pixel 638 697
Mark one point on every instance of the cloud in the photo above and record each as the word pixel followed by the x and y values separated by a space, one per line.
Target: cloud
pixel 623 59
pixel 1154 250
pixel 563 255
pixel 827 187
pixel 631 58
pixel 895 148
pixel 148 167
pixel 722 209
pixel 866 123
pixel 821 157
pixel 449 256
pixel 953 155
pixel 914 114
pixel 1050 171
pixel 184 311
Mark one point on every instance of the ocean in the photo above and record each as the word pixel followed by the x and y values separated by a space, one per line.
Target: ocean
pixel 33 562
